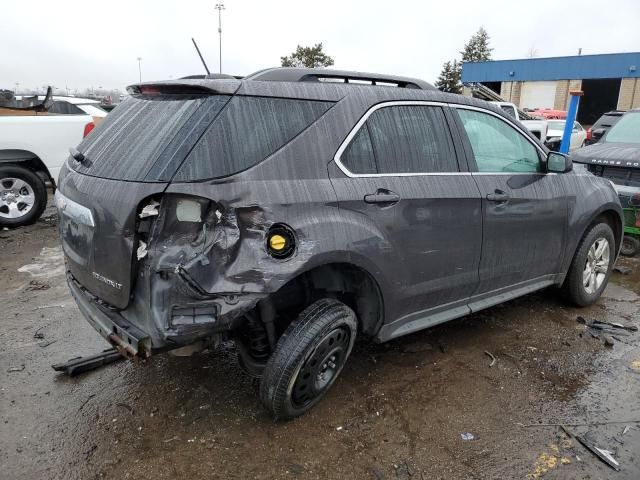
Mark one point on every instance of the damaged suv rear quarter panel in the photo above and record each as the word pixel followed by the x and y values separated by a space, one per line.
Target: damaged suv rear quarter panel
pixel 292 187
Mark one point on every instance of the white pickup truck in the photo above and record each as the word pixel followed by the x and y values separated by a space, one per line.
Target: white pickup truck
pixel 537 127
pixel 33 148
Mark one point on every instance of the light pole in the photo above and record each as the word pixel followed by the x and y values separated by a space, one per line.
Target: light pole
pixel 220 7
pixel 17 87
pixel 139 69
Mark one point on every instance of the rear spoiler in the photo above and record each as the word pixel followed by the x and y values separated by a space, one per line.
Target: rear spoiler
pixel 27 103
pixel 225 86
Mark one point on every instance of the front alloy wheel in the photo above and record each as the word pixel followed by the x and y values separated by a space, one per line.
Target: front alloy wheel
pixel 591 266
pixel 597 265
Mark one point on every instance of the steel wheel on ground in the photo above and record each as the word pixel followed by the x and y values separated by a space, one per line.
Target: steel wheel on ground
pixel 308 359
pixel 630 246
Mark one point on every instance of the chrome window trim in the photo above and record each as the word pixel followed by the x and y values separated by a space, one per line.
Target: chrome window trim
pixel 352 133
pixel 345 143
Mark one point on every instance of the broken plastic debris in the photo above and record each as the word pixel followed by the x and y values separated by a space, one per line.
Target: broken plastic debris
pixel 150 210
pixel 466 436
pixel 142 250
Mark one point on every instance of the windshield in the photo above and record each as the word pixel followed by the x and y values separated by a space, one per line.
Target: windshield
pixel 627 130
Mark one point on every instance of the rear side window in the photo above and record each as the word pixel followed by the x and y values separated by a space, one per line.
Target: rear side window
pixel 143 135
pixel 247 131
pixel 606 121
pixel 402 140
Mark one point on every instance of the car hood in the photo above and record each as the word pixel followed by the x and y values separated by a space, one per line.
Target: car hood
pixel 614 154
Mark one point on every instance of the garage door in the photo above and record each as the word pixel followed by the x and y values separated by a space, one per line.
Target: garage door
pixel 538 95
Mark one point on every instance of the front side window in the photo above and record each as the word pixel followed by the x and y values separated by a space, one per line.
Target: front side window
pixel 402 140
pixel 498 147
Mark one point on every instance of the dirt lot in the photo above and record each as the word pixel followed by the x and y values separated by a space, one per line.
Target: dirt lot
pixel 399 410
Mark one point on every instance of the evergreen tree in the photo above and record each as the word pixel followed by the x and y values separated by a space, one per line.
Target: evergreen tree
pixel 449 79
pixel 477 48
pixel 310 57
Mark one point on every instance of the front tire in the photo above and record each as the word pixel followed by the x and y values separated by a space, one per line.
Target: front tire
pixel 23 196
pixel 591 266
pixel 308 359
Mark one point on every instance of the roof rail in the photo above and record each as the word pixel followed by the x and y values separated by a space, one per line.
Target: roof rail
pixel 289 74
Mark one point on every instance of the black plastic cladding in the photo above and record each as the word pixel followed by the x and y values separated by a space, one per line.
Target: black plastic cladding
pixel 429 267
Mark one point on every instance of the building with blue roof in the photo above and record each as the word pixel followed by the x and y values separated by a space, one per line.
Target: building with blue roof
pixel 609 81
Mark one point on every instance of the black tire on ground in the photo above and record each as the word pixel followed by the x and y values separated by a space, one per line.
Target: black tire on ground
pixel 630 246
pixel 308 358
pixel 574 287
pixel 36 185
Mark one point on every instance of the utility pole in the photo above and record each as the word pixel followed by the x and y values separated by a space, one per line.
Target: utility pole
pixel 139 69
pixel 220 7
pixel 17 87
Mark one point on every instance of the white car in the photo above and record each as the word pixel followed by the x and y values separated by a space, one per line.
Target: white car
pixel 556 130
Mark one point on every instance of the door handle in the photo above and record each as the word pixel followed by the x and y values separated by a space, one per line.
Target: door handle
pixel 382 196
pixel 498 196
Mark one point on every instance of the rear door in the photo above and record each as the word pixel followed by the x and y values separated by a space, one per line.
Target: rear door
pixel 418 212
pixel 524 208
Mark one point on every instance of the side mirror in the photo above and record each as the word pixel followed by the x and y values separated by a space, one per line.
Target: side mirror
pixel 559 163
pixel 598 133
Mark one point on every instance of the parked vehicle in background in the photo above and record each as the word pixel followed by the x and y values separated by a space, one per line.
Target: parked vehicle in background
pixel 537 127
pixel 549 113
pixel 556 131
pixel 33 147
pixel 602 125
pixel 299 208
pixel 617 157
pixel 63 105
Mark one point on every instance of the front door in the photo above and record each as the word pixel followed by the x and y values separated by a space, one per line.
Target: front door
pixel 524 208
pixel 418 216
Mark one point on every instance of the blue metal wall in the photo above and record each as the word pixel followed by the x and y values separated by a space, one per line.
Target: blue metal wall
pixel 613 65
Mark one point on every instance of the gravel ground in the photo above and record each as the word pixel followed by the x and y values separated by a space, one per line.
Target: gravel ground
pixel 399 411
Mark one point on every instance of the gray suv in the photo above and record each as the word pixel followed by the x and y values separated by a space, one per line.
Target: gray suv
pixel 295 210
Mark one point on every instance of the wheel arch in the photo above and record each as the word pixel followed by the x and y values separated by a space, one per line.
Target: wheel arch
pixel 612 218
pixel 345 281
pixel 27 159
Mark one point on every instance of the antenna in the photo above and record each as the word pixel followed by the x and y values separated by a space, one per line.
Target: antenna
pixel 200 55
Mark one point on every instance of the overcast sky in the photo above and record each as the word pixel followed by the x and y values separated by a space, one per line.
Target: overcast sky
pixel 80 44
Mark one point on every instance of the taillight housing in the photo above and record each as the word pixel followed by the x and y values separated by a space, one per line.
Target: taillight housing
pixel 87 128
pixel 589 134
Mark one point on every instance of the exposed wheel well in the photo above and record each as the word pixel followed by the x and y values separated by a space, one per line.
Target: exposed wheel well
pixel 345 282
pixel 258 335
pixel 27 159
